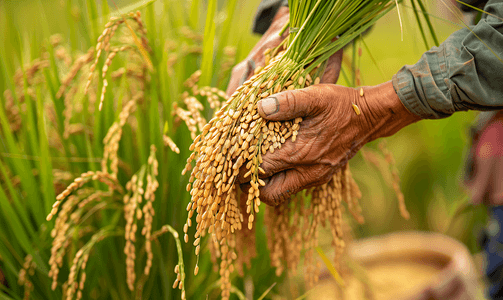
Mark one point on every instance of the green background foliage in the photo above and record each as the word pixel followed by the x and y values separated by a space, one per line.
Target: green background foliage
pixel 429 155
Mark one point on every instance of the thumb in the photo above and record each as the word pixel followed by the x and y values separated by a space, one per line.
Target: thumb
pixel 288 105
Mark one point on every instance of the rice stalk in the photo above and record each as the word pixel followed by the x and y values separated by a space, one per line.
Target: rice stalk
pixel 180 267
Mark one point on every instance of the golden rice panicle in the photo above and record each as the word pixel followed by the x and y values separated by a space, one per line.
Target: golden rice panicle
pixel 67 111
pixel 186 116
pixel 192 81
pixel 277 222
pixel 74 283
pixel 214 248
pixel 77 65
pixel 114 135
pixel 179 280
pixel 70 215
pixel 76 184
pixel 245 241
pixel 103 42
pixel 29 73
pixel 395 183
pixel 136 16
pixel 170 143
pixel 61 53
pixel 12 111
pixel 104 45
pixel 227 258
pixel 336 221
pixel 213 95
pixel 104 70
pixel 131 208
pixel 60 240
pixel 316 210
pixel 27 270
pixel 237 136
pixel 148 208
pixel 351 194
pixel 195 107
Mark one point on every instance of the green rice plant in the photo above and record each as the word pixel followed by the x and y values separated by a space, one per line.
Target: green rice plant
pixel 90 130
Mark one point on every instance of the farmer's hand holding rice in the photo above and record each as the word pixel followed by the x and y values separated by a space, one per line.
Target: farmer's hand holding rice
pixel 463 73
pixel 332 132
pixel 460 74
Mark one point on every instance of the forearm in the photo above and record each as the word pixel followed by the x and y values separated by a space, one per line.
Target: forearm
pixel 382 103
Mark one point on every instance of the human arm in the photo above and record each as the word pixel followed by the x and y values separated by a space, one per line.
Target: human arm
pixel 461 74
pixel 464 73
pixel 331 132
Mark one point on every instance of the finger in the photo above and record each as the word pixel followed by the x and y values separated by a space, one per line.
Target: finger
pixel 273 162
pixel 287 157
pixel 286 183
pixel 240 73
pixel 289 105
pixel 333 68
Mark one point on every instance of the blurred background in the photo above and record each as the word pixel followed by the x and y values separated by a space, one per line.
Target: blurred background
pixel 34 152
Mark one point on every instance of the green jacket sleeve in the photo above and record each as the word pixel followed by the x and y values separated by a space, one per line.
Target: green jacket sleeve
pixel 464 73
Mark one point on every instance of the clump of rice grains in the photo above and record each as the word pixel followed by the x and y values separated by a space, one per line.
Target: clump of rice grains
pixel 236 138
pixel 133 213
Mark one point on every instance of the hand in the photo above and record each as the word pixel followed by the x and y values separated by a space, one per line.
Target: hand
pixel 271 39
pixel 330 134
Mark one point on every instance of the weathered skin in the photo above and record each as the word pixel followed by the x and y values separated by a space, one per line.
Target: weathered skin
pixel 331 132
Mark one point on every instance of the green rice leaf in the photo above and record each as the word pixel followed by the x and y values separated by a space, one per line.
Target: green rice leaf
pixel 208 44
pixel 419 24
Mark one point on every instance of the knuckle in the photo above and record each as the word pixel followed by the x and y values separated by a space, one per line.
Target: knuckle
pixel 292 101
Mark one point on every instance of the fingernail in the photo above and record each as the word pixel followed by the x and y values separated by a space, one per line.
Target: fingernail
pixel 269 105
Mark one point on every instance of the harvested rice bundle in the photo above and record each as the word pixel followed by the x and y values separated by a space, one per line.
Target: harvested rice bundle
pixel 237 137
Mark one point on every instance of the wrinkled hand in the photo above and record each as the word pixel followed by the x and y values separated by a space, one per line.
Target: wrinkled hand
pixel 330 134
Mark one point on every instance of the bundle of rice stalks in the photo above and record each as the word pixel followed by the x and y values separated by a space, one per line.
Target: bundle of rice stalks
pixel 237 137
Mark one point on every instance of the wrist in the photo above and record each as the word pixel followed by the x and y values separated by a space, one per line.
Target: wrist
pixel 386 112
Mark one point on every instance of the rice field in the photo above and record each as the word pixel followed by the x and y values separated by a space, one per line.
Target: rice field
pixel 100 104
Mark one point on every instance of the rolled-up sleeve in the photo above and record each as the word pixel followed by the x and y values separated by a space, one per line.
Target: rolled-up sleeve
pixel 464 73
